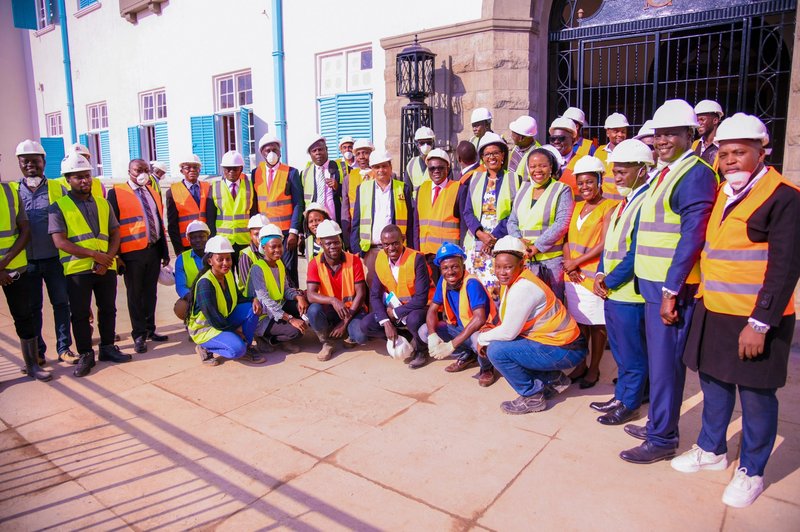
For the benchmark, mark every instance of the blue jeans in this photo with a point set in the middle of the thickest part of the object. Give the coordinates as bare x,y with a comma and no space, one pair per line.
626,334
323,318
528,366
228,344
51,272
463,352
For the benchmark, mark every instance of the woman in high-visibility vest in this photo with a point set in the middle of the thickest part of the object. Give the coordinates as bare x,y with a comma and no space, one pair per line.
314,215
581,256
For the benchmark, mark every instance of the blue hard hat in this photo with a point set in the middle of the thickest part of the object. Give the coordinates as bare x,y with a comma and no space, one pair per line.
448,250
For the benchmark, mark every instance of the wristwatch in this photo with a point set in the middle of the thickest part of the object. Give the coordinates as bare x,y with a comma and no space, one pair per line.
760,329
666,294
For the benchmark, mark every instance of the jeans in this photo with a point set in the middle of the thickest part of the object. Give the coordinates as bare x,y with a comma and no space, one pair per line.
626,334
528,365
51,272
551,272
464,352
228,344
323,318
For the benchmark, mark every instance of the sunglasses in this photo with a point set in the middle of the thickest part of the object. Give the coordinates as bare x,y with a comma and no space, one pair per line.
437,168
558,138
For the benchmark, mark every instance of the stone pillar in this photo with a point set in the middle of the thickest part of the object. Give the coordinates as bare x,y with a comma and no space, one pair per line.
791,157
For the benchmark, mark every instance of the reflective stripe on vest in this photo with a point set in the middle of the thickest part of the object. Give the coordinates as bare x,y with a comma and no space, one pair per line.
308,177
584,147
366,197
188,210
348,278
537,218
617,244
199,329
503,199
464,304
354,180
522,167
241,280
588,236
274,203
233,214
9,232
79,233
437,223
733,267
417,172
189,267
274,286
132,225
403,288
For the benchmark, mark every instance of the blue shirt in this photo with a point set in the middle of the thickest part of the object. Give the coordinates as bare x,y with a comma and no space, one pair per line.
181,285
37,206
475,293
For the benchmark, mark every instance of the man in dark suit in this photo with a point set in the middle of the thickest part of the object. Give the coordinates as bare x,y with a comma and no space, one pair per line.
322,181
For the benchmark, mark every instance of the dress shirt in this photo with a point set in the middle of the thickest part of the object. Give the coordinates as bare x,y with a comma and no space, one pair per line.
382,207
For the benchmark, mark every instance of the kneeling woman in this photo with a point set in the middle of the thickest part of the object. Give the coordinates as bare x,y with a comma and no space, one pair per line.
536,338
281,304
221,320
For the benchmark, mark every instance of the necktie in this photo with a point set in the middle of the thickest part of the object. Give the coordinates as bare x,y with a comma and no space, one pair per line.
195,192
663,173
436,190
326,194
233,189
151,221
270,178
622,208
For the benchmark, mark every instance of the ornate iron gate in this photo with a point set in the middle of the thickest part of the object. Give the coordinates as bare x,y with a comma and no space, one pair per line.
629,57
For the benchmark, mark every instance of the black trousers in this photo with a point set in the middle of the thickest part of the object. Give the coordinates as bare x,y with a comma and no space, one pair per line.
141,283
80,288
289,259
20,303
283,331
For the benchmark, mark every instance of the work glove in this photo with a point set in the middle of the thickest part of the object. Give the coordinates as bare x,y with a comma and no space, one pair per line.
443,350
433,341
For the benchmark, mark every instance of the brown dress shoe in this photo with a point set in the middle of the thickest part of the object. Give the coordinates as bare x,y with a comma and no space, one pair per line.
487,378
460,365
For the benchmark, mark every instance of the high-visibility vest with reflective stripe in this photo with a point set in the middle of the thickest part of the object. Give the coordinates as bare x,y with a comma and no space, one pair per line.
155,185
200,330
308,178
552,325
348,279
80,234
437,222
403,287
98,190
697,146
241,281
417,172
537,218
275,203
366,196
618,244
523,163
609,186
354,180
233,214
503,200
132,225
274,286
188,210
660,227
464,304
9,232
189,267
588,236
465,177
568,178
584,147
732,266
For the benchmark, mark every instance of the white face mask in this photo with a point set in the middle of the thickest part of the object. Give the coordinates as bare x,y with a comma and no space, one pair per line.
33,182
272,158
425,148
737,179
626,191
348,155
142,179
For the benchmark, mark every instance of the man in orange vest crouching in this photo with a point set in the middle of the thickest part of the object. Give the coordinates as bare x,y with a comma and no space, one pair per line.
741,331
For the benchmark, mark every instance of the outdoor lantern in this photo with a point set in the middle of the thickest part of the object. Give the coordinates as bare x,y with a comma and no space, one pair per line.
415,66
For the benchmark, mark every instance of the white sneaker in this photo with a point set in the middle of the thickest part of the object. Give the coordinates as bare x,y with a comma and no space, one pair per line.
696,459
743,490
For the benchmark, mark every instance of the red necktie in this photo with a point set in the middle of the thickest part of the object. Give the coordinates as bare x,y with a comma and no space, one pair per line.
436,190
269,179
622,208
663,173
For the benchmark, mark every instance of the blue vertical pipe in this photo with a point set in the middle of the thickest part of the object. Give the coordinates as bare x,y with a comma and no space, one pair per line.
62,15
277,64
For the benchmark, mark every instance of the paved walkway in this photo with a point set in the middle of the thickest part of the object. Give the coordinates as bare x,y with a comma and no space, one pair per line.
359,442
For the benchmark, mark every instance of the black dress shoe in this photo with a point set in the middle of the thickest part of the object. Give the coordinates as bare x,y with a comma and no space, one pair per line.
648,453
640,433
605,406
618,416
154,336
140,345
420,359
111,353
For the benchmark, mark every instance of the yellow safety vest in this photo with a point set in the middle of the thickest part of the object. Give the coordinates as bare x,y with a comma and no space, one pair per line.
366,195
537,218
477,186
521,168
617,246
242,283
233,214
417,173
9,232
274,286
199,329
189,267
98,191
80,234
310,184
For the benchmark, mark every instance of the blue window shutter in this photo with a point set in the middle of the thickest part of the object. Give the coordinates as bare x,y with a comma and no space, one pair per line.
105,151
54,148
83,138
354,115
327,125
85,3
244,124
204,142
134,143
51,11
24,14
162,144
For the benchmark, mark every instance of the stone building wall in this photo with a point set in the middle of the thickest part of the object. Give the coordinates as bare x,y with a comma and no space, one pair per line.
791,158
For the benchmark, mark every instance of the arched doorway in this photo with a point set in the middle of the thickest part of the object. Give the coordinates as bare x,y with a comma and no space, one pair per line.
629,56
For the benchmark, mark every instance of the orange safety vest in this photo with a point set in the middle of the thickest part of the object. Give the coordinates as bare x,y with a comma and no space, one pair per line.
403,288
588,236
132,226
696,150
437,222
274,203
553,325
464,306
354,179
348,279
731,265
188,210
568,178
465,177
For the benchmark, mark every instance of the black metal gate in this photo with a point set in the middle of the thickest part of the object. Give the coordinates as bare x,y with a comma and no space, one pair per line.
626,59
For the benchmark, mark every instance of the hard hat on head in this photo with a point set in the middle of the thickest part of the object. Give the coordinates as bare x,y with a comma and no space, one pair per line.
270,231
268,138
632,151
645,131
74,162
524,125
158,165
378,157
438,153
232,159
491,138
509,244
346,139
257,221
190,158
328,228
314,206
218,244
196,226
314,140
448,250
80,148
363,144
576,115
742,126
708,106
616,120
29,147
166,276
480,114
557,154
565,124
674,113
424,133
589,164
399,349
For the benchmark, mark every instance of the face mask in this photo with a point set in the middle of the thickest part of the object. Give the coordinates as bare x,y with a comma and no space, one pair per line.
737,179
425,148
626,191
33,182
142,179
348,155
272,158
543,184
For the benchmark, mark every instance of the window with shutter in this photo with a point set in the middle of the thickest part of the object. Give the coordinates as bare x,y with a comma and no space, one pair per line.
134,143
204,142
54,148
345,114
162,144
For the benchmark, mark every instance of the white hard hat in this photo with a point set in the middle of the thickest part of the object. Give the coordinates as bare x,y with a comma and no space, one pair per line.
29,147
557,154
270,230
257,221
491,138
74,162
742,126
378,157
631,151
708,106
196,226
189,158
158,165
314,140
424,133
480,114
363,144
438,153
399,349
314,206
674,113
508,244
218,244
646,130
616,120
346,139
328,228
576,115
232,159
166,276
589,164
563,123
268,138
524,125
80,148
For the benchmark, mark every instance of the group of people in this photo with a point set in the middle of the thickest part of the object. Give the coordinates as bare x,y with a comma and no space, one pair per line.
523,260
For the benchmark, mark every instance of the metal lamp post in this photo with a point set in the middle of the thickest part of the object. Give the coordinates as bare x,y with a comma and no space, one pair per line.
415,81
